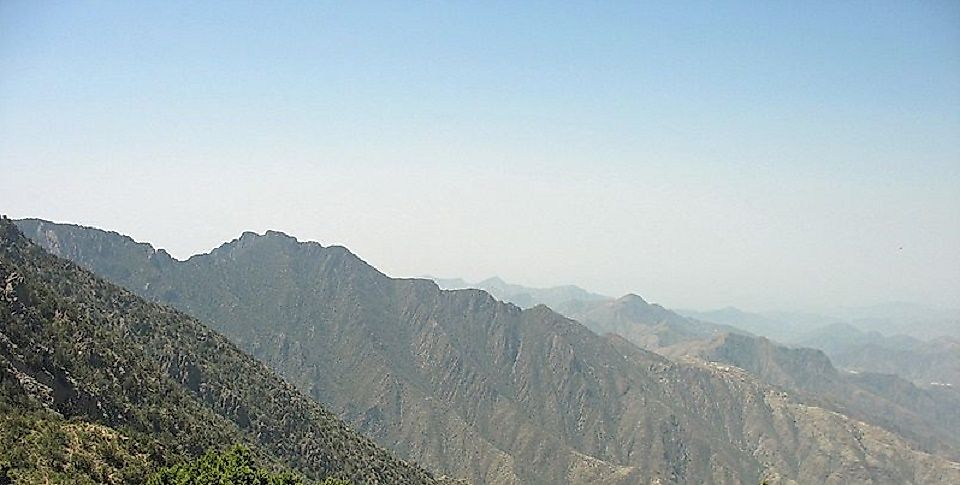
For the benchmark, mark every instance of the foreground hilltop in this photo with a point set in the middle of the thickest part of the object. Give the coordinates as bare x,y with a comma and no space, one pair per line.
120,386
481,389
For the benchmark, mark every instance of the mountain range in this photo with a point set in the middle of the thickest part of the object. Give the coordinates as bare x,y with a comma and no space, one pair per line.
928,416
522,296
914,355
893,320
98,385
925,362
476,388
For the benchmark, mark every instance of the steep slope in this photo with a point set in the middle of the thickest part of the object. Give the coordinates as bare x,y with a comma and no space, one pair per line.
927,418
41,446
649,326
930,420
935,362
485,390
926,363
87,350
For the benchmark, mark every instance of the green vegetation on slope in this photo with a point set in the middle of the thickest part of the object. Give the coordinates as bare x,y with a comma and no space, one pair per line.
125,370
234,466
41,447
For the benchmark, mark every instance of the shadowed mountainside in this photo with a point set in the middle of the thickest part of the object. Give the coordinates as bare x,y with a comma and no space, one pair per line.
148,383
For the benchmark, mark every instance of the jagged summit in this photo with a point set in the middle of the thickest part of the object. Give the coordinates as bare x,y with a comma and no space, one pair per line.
109,249
279,234
10,234
270,236
249,239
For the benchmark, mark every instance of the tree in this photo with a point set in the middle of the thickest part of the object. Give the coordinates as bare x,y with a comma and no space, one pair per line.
234,466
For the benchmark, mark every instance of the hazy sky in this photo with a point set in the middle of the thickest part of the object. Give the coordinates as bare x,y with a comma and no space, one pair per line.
760,154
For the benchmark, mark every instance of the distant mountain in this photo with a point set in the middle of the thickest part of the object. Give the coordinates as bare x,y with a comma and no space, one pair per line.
936,362
849,346
781,327
919,321
904,311
485,390
913,412
649,326
451,283
928,417
99,386
522,296
839,337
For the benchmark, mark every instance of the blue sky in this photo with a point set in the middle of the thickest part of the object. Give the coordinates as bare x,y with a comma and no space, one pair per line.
760,154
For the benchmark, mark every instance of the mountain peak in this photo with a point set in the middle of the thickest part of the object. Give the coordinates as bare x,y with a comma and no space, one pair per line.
269,234
632,298
493,280
251,239
9,233
278,235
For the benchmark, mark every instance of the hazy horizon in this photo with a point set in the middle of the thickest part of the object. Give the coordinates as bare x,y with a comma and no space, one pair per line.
824,311
761,156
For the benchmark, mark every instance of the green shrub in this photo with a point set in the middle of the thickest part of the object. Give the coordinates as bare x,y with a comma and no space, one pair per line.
231,467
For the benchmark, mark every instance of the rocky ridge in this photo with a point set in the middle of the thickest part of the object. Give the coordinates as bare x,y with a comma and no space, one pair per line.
485,390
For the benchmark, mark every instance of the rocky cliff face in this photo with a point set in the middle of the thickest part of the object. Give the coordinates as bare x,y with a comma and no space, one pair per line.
484,390
929,419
